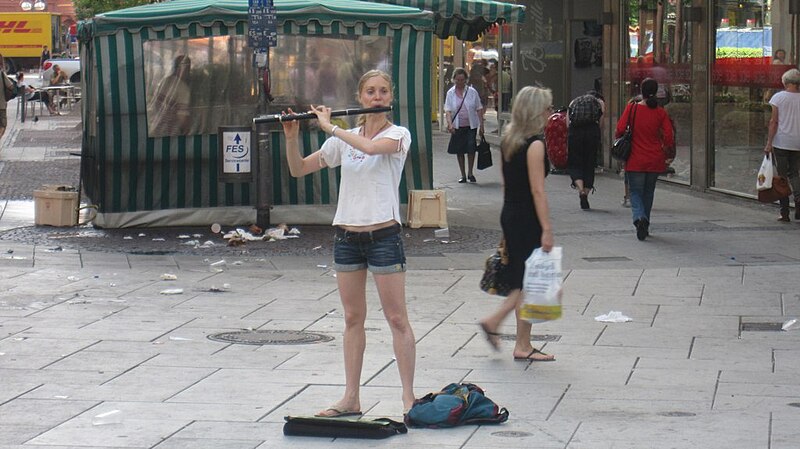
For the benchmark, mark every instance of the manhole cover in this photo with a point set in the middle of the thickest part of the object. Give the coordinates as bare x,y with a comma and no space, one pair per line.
511,434
794,404
761,327
534,337
270,337
607,259
677,414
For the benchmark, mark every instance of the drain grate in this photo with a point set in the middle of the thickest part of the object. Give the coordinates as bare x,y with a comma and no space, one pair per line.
534,337
511,434
607,259
794,404
678,414
761,327
270,337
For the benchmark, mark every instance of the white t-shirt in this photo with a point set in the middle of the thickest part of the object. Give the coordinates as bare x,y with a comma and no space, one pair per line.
788,135
369,188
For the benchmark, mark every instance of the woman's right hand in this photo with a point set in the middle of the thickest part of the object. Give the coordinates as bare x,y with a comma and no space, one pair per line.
291,128
547,241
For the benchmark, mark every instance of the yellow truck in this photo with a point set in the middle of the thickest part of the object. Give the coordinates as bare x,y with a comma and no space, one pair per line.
23,34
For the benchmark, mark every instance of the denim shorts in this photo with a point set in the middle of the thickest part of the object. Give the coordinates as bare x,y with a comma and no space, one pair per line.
354,251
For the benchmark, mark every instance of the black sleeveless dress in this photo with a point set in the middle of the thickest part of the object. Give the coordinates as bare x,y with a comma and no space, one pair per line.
521,227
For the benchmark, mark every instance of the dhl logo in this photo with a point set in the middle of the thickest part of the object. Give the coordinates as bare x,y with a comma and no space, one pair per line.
17,26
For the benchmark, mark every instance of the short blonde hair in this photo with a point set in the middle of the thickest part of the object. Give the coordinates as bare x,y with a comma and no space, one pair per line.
791,76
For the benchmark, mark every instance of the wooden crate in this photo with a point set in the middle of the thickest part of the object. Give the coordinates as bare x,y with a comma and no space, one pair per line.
427,209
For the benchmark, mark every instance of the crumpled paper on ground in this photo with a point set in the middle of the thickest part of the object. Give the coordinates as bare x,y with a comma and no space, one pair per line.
613,317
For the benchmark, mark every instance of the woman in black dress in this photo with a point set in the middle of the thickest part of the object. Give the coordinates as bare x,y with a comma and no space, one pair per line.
525,218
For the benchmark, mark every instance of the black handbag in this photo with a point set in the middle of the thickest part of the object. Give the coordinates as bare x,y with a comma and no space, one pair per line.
374,429
621,149
495,275
484,154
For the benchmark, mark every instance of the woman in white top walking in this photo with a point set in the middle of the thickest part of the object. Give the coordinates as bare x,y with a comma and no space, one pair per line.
783,140
367,228
464,115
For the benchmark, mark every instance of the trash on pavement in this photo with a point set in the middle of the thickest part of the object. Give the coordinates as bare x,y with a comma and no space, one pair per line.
218,266
613,317
111,417
73,278
790,325
216,228
172,291
442,233
169,277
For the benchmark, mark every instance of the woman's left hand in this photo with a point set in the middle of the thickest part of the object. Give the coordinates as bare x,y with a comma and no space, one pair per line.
323,114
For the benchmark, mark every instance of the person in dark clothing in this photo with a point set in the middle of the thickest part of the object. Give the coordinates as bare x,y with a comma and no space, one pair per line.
525,217
584,114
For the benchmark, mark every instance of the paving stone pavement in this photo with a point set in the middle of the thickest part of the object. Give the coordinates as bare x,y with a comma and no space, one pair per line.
86,329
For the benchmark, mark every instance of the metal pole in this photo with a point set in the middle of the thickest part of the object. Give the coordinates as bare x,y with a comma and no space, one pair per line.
264,170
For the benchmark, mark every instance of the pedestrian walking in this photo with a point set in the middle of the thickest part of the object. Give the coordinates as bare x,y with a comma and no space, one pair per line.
367,228
783,139
525,217
584,114
5,84
44,56
652,132
464,114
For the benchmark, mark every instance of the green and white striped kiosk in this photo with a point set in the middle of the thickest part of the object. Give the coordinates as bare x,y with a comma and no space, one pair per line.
160,79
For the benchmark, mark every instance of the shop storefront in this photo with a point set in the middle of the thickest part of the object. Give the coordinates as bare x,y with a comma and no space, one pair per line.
718,63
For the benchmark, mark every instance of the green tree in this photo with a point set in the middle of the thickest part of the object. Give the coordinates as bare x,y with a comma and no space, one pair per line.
86,9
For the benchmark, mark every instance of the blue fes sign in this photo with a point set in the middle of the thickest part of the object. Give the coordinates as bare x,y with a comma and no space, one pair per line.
262,24
236,153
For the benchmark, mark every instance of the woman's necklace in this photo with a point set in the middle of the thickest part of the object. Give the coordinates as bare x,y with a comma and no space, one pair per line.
372,135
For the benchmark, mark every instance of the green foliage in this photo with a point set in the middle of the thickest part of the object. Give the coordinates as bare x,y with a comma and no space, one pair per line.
86,9
734,52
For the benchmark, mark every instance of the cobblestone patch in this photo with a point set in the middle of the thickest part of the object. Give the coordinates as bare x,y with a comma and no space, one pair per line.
56,138
18,179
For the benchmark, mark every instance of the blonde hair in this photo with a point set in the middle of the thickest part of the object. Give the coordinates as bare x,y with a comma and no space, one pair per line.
366,77
528,117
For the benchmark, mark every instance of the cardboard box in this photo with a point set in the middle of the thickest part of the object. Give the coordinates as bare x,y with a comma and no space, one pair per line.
55,206
427,208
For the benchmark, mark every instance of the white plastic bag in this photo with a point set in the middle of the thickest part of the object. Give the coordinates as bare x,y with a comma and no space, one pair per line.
765,173
541,286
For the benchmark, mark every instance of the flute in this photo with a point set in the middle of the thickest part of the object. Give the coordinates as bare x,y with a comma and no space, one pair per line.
273,118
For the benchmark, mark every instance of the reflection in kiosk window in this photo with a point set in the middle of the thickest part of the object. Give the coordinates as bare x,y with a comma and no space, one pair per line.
196,85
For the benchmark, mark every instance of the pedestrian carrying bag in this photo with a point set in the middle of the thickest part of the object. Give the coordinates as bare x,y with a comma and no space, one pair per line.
373,429
780,189
484,154
765,174
494,280
621,150
541,286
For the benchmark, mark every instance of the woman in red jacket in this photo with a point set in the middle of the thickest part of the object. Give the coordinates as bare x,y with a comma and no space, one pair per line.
652,132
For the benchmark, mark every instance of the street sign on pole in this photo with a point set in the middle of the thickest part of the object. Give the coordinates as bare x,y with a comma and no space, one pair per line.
262,24
236,154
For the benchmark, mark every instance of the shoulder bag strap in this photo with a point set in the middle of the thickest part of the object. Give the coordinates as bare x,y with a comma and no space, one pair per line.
632,121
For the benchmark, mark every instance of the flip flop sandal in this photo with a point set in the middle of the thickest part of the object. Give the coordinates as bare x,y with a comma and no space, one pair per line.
491,336
528,358
337,413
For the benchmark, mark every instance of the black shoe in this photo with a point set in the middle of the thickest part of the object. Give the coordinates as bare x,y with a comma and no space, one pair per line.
462,180
641,229
584,201
784,216
472,179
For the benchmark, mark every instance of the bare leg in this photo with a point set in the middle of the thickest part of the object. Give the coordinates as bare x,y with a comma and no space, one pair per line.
493,321
391,290
579,186
461,165
522,346
352,289
471,158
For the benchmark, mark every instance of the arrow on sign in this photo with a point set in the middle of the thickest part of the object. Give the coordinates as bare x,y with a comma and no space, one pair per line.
237,139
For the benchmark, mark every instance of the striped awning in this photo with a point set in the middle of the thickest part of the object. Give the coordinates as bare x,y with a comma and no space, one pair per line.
465,19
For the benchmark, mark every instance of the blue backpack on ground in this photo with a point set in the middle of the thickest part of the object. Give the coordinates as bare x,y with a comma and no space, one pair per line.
455,405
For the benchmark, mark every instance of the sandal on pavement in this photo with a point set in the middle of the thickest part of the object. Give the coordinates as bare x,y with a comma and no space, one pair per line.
529,357
491,336
335,412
